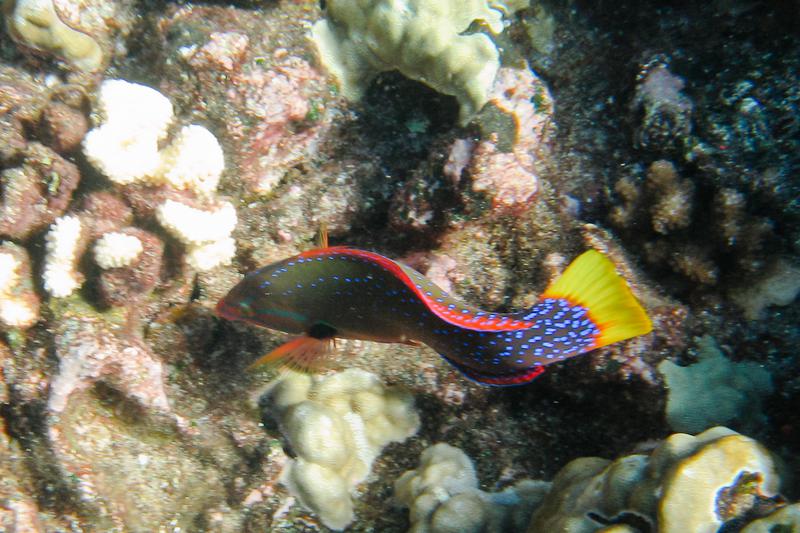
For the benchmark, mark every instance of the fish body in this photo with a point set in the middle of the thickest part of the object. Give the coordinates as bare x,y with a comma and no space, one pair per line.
349,293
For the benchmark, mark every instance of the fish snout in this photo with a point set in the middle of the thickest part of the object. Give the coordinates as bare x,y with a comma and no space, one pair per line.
226,310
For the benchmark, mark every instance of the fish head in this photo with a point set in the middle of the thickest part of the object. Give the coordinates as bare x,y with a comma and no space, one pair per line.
263,304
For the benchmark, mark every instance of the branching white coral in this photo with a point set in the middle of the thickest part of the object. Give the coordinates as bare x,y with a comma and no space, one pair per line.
124,155
140,108
206,234
194,160
132,120
212,254
15,312
60,275
115,250
195,226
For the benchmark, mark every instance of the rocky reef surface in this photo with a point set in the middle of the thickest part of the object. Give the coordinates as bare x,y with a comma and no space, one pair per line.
151,153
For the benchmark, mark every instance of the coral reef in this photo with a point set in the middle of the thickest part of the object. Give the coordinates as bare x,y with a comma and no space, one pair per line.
676,217
60,275
84,36
685,484
289,123
508,176
442,496
424,40
88,352
132,120
492,142
779,286
125,147
131,261
715,391
338,425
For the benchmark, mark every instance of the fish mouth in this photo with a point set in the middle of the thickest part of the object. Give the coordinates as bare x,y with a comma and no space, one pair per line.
225,310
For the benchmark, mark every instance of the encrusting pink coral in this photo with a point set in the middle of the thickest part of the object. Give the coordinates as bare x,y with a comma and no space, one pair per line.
278,99
510,179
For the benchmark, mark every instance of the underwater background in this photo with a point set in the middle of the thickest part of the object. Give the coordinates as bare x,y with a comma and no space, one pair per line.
152,153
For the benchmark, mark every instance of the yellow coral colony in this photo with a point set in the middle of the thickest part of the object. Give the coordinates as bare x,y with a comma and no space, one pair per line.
337,426
678,488
426,40
35,23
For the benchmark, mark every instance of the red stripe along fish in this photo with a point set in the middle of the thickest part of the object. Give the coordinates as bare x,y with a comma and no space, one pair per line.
344,292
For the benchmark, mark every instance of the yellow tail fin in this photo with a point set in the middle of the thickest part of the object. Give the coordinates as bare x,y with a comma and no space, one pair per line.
591,281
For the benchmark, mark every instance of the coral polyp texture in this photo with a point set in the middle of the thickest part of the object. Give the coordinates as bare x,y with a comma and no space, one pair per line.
426,40
115,249
338,426
442,496
61,276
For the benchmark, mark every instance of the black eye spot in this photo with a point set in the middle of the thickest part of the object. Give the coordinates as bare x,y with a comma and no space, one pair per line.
321,330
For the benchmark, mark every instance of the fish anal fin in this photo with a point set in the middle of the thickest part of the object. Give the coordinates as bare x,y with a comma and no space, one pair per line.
513,377
303,354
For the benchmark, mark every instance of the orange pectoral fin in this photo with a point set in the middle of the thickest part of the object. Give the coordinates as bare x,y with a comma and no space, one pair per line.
305,354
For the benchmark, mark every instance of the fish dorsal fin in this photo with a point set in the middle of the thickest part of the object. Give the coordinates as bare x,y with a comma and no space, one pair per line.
322,235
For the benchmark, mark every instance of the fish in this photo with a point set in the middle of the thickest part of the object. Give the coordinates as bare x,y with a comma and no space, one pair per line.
332,292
